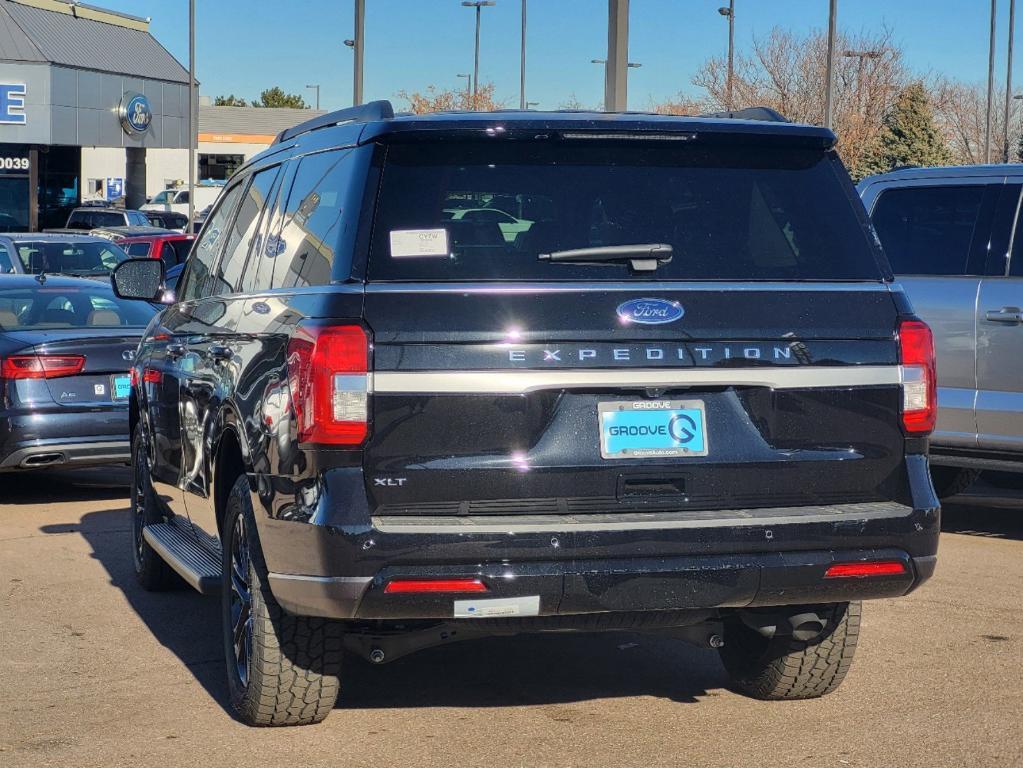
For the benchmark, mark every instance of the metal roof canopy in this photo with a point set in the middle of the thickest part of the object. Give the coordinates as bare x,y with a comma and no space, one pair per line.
85,37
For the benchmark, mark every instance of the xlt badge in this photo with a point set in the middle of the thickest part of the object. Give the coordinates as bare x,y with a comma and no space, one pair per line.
650,311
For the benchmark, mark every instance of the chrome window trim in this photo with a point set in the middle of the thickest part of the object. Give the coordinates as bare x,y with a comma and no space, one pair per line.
516,382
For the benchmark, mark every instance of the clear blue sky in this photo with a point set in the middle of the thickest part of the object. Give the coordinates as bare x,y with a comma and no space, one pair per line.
245,46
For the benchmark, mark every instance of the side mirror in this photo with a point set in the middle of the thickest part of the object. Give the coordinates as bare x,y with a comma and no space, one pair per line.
140,279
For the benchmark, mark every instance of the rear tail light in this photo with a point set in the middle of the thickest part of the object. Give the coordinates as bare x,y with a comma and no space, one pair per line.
41,366
419,586
865,569
328,373
919,387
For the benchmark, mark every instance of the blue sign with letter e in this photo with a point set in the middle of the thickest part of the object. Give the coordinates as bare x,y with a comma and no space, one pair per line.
12,104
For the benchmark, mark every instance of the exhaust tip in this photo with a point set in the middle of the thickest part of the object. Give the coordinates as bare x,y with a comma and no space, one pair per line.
43,460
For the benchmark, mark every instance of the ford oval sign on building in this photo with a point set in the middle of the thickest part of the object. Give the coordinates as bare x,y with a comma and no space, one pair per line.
650,311
135,113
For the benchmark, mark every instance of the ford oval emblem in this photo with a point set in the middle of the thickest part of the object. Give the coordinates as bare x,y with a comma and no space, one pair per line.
650,311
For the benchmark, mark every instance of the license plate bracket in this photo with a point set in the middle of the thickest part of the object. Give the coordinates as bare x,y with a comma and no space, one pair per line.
650,429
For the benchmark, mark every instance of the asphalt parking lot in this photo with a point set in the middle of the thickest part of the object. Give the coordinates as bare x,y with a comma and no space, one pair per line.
97,672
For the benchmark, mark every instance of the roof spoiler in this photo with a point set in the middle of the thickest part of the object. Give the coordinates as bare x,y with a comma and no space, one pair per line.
750,113
364,113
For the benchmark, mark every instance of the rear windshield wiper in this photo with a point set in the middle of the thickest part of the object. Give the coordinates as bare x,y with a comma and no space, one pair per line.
642,257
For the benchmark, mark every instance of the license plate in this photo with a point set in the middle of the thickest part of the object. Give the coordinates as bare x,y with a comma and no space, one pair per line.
652,429
120,387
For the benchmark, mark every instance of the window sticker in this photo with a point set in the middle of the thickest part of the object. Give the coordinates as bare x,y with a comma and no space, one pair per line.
407,243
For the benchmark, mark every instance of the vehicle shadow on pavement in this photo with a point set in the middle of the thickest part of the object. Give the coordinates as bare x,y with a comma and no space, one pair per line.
183,621
990,509
47,486
497,672
530,670
994,517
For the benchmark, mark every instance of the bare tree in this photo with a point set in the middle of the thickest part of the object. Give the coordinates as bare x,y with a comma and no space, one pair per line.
961,110
786,72
436,100
680,104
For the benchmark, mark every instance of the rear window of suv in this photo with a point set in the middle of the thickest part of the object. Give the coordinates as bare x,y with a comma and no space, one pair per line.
450,211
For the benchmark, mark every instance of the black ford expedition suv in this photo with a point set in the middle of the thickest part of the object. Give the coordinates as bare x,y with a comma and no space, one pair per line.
430,378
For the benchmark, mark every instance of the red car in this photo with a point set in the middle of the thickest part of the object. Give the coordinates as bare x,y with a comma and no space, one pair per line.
172,247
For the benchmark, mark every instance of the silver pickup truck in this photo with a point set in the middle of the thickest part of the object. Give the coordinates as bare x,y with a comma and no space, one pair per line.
954,237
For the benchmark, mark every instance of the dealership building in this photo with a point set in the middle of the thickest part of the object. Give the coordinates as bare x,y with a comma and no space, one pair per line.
93,107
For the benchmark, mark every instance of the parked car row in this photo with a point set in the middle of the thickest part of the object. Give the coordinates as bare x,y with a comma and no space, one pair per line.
89,218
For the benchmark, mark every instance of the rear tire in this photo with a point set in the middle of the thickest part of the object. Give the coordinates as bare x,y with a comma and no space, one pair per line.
948,481
783,668
151,571
282,669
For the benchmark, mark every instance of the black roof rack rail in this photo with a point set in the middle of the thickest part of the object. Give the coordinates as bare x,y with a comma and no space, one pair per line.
750,113
364,113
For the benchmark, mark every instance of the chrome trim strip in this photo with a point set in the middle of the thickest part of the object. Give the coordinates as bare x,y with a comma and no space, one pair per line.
506,382
623,287
636,521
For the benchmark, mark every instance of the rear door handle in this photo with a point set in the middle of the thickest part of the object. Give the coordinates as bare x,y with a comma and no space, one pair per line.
1007,315
219,352
176,350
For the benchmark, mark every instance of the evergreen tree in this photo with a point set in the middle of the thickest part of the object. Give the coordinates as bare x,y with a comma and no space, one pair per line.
229,101
909,135
276,97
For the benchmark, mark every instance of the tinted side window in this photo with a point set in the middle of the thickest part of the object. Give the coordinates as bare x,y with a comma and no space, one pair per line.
107,219
929,230
229,272
80,220
204,255
138,249
178,249
267,245
6,264
317,221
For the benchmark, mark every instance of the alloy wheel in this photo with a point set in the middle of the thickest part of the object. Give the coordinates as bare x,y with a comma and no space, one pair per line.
241,601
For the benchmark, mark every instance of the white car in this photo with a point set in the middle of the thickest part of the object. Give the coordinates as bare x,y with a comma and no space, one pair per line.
177,199
509,225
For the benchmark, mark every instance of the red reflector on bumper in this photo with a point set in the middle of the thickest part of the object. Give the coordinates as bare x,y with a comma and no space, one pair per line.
862,570
405,586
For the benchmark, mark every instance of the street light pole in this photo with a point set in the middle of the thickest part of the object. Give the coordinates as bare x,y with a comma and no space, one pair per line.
1019,155
355,43
830,73
192,126
522,61
1008,82
990,84
479,5
862,56
468,87
730,13
317,87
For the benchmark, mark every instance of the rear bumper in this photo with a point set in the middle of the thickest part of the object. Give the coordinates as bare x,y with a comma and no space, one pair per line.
336,559
608,586
79,452
64,437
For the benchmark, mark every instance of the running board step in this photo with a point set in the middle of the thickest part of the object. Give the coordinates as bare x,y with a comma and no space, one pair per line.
194,563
